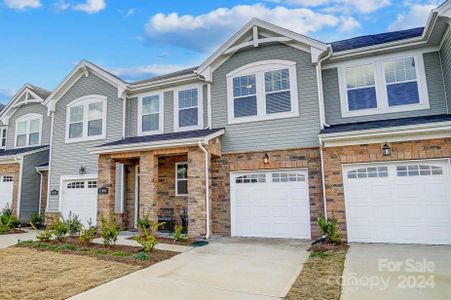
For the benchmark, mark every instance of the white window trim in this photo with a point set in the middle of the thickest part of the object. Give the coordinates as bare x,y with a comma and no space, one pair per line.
85,101
177,179
28,118
1,137
160,95
258,69
200,107
381,86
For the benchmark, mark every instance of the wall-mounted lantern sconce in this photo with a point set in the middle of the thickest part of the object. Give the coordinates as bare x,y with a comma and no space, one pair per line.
386,150
266,159
82,170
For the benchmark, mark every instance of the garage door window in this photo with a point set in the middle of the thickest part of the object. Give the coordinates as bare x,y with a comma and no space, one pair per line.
7,178
92,184
418,170
287,177
251,178
371,172
76,185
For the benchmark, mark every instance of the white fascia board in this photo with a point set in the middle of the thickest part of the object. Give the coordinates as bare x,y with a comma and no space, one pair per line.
73,77
155,145
400,133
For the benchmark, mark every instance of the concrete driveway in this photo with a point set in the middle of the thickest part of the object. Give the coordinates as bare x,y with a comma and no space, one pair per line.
225,269
379,271
7,240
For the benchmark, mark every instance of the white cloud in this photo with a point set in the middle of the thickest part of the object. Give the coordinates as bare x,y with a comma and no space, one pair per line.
141,72
6,95
348,24
415,17
206,31
61,5
91,6
22,4
127,12
348,6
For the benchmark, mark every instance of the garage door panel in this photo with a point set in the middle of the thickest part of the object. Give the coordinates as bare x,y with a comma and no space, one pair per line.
79,197
411,204
274,207
6,191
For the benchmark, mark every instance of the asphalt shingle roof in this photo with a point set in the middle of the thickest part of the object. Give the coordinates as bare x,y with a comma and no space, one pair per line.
43,93
169,75
376,39
163,137
12,152
385,123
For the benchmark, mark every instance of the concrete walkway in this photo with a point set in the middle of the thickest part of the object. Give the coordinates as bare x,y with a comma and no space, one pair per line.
414,272
225,269
7,240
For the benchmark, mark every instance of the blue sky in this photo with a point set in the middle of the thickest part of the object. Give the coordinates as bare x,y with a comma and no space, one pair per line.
42,40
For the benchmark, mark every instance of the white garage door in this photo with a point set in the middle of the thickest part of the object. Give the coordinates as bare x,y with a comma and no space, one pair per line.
270,204
80,198
408,202
6,191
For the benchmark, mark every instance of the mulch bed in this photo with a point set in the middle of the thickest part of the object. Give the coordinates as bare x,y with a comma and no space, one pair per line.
14,231
320,277
102,252
168,240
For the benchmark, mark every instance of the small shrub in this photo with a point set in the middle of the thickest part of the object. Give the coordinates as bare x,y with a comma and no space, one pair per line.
45,235
74,225
36,221
68,246
146,239
5,226
109,230
43,245
7,220
120,254
87,235
59,228
144,222
329,228
178,235
141,256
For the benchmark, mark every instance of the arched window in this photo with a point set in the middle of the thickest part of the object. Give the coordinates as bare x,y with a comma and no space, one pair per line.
28,131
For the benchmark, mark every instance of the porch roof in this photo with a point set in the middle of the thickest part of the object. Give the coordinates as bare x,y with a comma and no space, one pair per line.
21,151
172,139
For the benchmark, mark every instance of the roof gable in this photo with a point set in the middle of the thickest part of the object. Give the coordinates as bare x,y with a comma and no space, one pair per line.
83,69
254,34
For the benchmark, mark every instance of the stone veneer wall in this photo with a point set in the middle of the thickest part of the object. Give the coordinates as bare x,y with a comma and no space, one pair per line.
44,187
297,158
334,157
12,170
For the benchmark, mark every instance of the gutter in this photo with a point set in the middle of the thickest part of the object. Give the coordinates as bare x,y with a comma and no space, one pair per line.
319,79
207,190
39,170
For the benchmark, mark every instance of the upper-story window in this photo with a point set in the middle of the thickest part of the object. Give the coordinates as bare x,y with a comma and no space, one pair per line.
383,85
150,114
28,130
188,108
3,136
263,90
86,119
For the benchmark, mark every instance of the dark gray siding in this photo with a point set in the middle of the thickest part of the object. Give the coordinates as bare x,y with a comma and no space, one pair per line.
168,110
445,55
30,184
295,132
435,89
32,108
67,158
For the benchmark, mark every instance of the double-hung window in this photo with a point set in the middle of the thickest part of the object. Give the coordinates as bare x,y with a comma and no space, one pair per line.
383,85
263,90
86,119
188,108
3,132
28,130
150,114
181,179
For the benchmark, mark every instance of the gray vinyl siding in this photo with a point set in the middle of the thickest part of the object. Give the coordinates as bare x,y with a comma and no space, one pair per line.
286,133
168,111
30,184
434,80
32,108
67,158
445,55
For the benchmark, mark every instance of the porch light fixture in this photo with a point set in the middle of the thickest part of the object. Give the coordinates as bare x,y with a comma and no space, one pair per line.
386,150
266,159
82,170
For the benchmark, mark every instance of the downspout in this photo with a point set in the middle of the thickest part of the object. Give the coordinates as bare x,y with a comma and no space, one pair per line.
209,105
19,192
40,191
124,116
323,177
319,77
207,190
49,174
